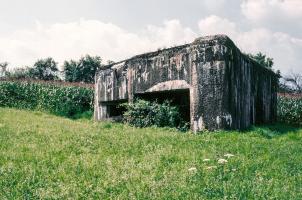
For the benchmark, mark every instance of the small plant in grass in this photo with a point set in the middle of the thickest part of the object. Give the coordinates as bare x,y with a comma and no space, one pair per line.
143,113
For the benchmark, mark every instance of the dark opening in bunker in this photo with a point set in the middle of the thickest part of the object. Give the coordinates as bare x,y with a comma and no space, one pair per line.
114,108
179,98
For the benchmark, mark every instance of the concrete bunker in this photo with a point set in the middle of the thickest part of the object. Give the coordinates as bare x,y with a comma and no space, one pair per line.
213,83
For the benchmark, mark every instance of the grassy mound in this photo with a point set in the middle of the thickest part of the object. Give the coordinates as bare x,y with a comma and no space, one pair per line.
45,156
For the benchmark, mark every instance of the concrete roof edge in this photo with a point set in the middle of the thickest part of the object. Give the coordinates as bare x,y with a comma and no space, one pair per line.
219,38
204,39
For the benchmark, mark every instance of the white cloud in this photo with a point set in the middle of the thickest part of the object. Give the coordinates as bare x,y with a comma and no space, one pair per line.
259,10
172,33
64,41
216,25
284,48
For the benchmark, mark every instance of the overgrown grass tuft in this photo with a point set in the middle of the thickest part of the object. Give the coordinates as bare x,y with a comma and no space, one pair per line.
48,157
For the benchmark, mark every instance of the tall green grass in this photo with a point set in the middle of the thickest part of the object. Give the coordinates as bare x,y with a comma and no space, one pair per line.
61,100
49,157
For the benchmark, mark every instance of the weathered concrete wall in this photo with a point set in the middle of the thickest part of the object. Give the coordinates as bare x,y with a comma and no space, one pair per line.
227,89
252,91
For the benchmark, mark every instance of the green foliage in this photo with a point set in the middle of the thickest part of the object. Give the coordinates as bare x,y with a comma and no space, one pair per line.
262,59
3,69
44,69
83,115
65,101
290,110
48,157
143,113
18,73
83,70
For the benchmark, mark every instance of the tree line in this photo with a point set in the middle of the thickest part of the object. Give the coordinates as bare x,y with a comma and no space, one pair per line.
82,70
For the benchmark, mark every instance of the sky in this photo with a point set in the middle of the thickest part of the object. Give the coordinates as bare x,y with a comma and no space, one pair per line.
118,29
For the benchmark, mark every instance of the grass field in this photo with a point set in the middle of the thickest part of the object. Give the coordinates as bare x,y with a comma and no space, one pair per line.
48,157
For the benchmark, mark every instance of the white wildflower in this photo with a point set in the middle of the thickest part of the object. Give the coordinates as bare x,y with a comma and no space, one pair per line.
211,167
192,169
206,160
222,161
228,155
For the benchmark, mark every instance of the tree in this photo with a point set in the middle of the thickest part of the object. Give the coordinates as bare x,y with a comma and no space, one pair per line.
44,69
262,59
70,71
19,73
294,81
284,87
83,70
3,69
